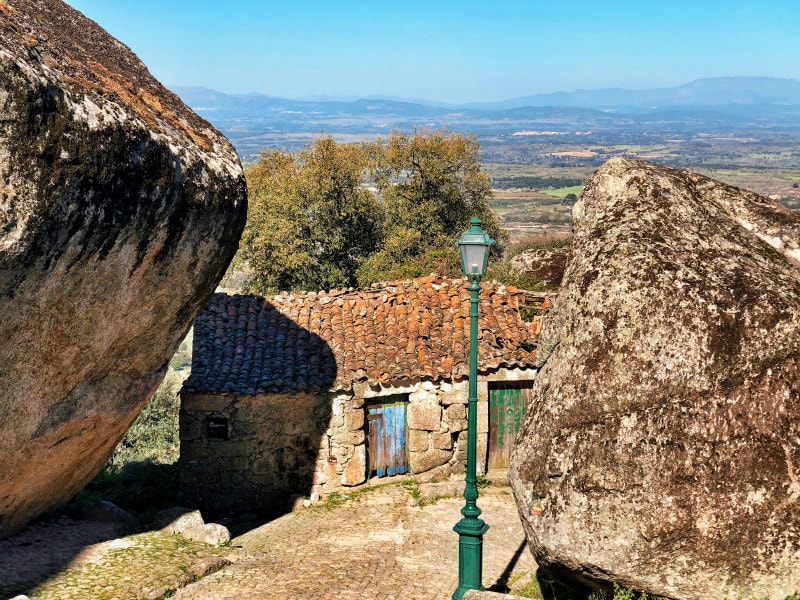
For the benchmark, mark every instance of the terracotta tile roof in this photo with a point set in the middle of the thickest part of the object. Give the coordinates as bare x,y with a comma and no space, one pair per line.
413,329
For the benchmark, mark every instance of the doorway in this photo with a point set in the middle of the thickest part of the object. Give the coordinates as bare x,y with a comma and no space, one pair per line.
386,435
507,403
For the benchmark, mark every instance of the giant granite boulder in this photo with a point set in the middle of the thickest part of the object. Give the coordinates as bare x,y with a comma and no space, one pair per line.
119,212
661,449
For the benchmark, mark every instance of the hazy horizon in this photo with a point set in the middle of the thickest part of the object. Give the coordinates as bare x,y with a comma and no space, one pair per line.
451,53
323,97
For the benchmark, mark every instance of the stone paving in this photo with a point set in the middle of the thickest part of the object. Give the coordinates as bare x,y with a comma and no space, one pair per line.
373,546
147,566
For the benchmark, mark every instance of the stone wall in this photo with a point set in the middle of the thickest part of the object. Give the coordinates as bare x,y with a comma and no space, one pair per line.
270,451
282,444
436,422
342,457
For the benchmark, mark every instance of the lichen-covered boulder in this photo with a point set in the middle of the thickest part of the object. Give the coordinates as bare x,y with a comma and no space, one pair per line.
119,212
661,449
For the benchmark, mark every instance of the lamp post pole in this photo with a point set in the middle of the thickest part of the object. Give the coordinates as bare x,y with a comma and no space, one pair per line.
474,246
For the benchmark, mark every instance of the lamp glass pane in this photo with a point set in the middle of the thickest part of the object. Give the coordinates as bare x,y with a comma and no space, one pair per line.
473,258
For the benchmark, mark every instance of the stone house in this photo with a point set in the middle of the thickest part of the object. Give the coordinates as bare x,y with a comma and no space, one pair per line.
318,392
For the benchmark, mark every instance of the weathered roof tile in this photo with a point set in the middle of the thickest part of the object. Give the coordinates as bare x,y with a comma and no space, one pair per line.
318,341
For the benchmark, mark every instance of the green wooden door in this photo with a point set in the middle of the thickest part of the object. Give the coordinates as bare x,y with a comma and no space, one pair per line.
507,404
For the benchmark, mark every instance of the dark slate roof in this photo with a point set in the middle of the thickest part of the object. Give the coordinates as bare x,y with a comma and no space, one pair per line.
413,329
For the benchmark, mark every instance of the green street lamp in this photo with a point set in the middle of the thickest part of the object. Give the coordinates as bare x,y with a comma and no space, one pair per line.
474,246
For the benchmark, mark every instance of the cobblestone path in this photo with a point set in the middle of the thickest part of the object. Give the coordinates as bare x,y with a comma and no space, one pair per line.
373,546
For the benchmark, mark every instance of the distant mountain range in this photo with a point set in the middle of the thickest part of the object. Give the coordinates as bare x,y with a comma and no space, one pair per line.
253,121
717,91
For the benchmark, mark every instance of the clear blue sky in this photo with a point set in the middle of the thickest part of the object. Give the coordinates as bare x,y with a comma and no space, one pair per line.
451,51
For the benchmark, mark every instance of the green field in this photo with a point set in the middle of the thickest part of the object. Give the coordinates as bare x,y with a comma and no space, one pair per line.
562,192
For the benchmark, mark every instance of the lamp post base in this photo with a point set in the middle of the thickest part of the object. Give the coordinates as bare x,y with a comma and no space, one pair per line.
470,555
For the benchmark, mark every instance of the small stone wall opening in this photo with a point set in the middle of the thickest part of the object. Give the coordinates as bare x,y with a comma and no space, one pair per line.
217,427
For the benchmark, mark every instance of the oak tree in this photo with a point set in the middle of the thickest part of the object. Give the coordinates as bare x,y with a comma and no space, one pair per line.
311,223
431,183
339,215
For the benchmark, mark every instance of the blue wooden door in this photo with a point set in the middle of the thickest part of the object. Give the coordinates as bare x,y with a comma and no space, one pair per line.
386,436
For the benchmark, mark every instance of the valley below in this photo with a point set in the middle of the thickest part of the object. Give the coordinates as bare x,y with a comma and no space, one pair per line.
539,156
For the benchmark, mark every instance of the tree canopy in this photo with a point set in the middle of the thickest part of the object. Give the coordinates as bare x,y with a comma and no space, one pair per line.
338,215
311,223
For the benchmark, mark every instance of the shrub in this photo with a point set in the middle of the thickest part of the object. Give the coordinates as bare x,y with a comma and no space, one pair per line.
140,475
504,272
154,434
141,488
